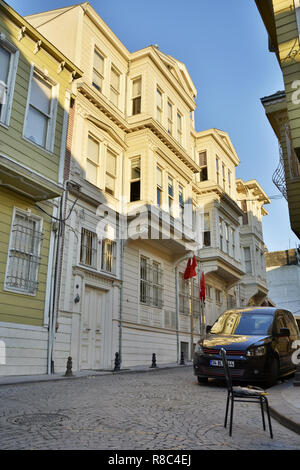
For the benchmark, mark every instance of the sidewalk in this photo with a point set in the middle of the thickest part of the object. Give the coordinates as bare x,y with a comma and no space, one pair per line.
284,398
23,379
284,401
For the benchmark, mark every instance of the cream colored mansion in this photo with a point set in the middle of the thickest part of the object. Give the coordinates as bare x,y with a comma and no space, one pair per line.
133,154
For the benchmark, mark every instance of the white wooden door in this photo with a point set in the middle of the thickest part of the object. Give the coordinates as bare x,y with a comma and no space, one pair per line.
91,329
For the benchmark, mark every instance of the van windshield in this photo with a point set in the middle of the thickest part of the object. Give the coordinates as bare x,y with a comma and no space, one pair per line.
239,323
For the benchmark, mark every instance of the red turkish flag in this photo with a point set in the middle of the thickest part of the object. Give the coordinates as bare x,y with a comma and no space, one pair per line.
202,288
190,268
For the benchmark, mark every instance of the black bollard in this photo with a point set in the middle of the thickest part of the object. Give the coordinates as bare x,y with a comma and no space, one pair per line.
69,368
117,362
182,363
153,365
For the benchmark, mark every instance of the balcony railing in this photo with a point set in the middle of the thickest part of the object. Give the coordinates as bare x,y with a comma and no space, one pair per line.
278,177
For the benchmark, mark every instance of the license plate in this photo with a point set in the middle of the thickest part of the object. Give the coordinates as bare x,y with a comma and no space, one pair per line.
218,363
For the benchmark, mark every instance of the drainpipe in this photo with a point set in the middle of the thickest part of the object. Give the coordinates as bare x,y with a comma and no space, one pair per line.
177,313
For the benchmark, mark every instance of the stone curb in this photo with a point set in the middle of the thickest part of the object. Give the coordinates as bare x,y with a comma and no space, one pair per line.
56,378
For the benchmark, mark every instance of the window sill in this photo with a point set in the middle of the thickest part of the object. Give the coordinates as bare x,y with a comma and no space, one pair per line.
44,149
97,271
4,124
21,292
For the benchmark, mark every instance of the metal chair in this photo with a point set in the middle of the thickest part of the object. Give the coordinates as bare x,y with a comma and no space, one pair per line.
243,394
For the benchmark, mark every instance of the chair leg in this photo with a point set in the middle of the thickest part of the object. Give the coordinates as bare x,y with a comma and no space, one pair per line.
262,412
269,418
231,416
226,413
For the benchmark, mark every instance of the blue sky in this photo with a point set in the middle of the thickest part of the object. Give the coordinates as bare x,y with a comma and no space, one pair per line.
225,49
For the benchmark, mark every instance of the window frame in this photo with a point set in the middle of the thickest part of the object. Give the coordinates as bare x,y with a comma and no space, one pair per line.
147,285
179,128
159,188
93,250
159,109
97,165
170,197
170,119
14,52
107,173
96,50
113,68
51,126
17,211
113,259
135,180
136,98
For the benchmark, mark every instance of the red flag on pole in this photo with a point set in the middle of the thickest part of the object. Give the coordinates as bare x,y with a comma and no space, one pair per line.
190,270
202,288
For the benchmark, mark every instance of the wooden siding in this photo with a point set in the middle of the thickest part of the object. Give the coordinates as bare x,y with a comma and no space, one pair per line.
17,307
12,144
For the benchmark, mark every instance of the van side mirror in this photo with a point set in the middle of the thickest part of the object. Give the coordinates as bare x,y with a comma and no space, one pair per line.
284,332
208,328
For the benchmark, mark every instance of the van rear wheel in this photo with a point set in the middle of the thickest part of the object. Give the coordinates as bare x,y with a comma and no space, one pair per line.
202,380
273,373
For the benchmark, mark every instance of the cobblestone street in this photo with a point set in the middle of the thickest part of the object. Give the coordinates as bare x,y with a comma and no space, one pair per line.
161,409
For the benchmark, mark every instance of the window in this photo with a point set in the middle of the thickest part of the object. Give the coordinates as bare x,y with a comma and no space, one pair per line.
170,194
159,105
159,186
144,281
92,161
98,70
179,128
244,209
206,232
8,67
110,176
180,202
208,291
157,287
170,117
229,181
88,248
223,175
184,296
136,96
135,180
233,242
108,259
221,233
114,86
203,166
227,237
40,117
151,284
247,258
217,170
218,295
24,250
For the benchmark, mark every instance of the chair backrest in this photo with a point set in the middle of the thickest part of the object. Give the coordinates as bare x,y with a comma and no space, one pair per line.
226,369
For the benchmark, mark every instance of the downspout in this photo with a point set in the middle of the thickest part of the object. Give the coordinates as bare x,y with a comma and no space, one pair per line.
177,313
122,241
